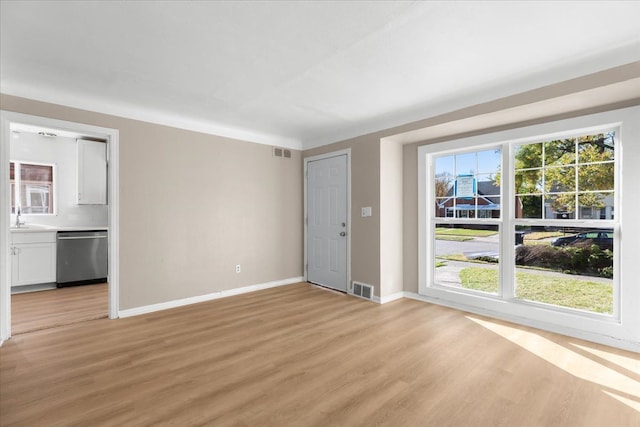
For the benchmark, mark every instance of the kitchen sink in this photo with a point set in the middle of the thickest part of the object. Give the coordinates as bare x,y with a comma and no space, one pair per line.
31,227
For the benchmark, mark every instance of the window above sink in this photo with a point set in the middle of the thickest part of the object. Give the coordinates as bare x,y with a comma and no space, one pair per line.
32,187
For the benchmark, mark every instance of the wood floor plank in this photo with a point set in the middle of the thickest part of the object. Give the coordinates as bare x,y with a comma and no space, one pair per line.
33,311
298,355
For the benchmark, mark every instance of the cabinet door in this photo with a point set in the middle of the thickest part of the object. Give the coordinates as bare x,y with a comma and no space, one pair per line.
92,172
33,263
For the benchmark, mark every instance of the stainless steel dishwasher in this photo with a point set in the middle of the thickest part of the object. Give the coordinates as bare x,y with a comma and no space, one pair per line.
81,257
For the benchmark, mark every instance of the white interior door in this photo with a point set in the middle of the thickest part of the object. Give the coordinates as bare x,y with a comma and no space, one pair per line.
327,222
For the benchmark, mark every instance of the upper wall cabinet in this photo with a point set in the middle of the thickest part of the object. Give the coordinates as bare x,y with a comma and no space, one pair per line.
92,172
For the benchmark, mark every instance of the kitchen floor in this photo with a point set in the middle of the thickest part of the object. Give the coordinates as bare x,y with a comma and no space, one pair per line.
34,311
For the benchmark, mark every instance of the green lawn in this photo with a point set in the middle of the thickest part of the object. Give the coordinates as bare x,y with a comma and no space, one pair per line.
441,231
539,235
565,292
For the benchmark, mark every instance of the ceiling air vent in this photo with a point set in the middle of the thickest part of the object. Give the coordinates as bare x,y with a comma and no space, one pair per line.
362,290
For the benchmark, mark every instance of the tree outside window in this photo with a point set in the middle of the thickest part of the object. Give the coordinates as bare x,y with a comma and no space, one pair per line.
571,178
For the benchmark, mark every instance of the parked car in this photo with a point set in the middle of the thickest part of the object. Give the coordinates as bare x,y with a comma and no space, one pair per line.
602,238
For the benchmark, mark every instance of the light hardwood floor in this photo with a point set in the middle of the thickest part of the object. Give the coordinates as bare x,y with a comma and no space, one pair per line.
47,309
299,355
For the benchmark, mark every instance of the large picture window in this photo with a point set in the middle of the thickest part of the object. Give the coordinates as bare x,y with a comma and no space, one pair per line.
558,254
557,239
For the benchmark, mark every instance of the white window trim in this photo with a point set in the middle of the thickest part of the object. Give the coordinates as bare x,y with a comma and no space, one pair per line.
623,328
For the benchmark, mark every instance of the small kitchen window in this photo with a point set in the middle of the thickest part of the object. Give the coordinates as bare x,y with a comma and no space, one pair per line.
32,188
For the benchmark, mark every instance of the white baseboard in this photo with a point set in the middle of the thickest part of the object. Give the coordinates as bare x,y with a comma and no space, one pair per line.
208,297
388,298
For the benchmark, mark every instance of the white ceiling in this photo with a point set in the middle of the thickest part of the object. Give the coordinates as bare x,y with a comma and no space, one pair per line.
302,74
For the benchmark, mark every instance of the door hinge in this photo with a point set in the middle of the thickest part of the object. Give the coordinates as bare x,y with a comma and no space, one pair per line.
306,267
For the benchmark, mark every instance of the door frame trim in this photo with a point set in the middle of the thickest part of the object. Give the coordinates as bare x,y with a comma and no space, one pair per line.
112,137
306,160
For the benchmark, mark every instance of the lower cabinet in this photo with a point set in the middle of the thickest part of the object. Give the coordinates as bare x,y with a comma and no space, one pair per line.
33,258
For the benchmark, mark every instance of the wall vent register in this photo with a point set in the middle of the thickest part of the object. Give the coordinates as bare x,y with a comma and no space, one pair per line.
363,291
283,153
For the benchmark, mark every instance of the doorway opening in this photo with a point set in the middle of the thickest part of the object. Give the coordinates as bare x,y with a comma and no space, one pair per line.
34,294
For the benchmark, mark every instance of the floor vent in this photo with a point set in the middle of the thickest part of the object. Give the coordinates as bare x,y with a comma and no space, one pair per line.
363,291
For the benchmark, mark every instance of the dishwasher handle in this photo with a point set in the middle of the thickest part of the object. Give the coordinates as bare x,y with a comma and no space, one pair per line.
81,237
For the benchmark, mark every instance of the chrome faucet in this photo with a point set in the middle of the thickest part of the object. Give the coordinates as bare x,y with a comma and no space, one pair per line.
18,222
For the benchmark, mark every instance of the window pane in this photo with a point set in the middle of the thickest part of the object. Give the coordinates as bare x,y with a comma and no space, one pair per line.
466,257
489,161
529,181
560,206
528,156
444,165
444,207
488,207
528,206
444,185
35,198
566,267
596,148
487,185
466,164
560,152
465,207
598,176
595,205
559,180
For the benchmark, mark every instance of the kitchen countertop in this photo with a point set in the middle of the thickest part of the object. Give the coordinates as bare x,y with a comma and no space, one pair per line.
33,228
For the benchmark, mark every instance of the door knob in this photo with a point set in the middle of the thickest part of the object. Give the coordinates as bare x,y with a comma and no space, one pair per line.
342,233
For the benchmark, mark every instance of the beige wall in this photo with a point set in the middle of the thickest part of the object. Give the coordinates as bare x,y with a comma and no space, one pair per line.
365,191
391,218
193,205
410,223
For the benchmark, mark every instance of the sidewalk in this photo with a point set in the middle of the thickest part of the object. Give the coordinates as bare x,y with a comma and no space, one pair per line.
449,273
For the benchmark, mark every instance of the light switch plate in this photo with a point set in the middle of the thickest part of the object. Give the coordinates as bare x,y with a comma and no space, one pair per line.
366,211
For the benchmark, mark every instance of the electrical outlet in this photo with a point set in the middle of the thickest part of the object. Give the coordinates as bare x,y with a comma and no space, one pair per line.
238,268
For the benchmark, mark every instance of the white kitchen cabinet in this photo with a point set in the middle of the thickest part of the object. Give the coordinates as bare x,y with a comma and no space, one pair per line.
33,258
92,172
